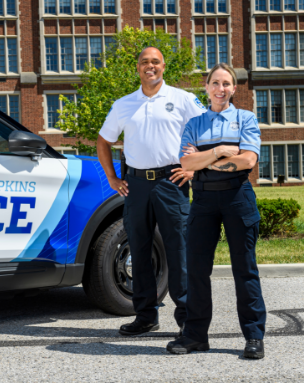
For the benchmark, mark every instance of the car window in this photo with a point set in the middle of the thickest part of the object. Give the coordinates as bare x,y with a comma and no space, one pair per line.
5,131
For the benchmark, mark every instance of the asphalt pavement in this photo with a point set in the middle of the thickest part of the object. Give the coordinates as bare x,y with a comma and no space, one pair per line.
58,336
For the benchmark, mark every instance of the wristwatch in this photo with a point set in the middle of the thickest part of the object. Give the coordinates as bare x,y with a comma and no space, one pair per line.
209,167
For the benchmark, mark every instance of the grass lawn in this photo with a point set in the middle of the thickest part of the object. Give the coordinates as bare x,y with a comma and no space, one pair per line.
274,250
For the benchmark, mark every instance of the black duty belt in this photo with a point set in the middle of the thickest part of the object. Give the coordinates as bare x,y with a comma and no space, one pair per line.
152,174
234,183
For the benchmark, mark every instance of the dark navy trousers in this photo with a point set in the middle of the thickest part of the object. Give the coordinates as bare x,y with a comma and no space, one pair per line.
237,209
162,202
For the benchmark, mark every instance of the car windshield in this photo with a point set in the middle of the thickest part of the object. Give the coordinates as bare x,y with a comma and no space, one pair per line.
5,131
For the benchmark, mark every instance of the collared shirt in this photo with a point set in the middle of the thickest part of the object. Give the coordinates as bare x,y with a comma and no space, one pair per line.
152,126
230,127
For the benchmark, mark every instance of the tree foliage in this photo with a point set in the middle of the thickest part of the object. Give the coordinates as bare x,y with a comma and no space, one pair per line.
103,84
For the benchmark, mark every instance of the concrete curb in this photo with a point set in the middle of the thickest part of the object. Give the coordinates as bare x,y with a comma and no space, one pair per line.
266,271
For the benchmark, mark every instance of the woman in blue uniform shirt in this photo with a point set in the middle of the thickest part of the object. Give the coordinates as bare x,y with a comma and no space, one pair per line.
222,146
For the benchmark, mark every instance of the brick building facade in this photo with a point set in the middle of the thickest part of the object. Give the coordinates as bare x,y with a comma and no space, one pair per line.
44,44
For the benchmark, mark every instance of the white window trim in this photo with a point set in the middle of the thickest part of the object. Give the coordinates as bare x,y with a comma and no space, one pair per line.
8,93
282,11
217,33
80,15
153,14
284,124
288,179
73,35
297,32
5,15
6,37
215,13
46,129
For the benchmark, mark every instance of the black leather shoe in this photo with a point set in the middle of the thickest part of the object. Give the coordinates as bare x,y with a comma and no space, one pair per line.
138,327
184,345
254,349
180,333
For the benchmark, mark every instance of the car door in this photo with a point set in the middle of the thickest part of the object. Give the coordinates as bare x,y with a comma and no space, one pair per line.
33,218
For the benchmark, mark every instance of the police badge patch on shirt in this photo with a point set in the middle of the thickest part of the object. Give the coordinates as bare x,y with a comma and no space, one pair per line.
169,107
198,103
234,125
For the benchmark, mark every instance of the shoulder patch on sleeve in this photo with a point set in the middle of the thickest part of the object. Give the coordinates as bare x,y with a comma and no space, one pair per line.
256,122
198,103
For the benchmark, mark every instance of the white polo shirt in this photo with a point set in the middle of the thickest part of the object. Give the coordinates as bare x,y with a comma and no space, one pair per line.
152,126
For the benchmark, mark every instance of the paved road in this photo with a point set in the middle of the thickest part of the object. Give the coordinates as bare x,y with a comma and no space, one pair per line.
59,336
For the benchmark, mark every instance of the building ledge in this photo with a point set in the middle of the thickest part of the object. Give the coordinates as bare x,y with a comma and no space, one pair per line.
60,79
51,131
28,78
282,126
277,74
274,181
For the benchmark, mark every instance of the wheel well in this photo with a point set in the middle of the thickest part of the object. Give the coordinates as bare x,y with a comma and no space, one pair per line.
113,216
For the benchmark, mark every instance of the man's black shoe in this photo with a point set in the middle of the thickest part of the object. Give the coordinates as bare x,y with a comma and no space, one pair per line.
180,333
137,327
184,345
254,349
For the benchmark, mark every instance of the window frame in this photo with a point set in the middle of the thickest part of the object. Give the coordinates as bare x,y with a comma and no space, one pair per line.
6,15
6,37
216,11
165,18
275,12
216,34
73,36
283,89
288,179
74,14
8,93
156,15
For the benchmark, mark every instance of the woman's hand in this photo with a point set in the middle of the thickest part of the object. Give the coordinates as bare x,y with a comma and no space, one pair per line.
227,151
189,149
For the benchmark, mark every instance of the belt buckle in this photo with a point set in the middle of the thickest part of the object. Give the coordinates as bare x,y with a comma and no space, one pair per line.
152,176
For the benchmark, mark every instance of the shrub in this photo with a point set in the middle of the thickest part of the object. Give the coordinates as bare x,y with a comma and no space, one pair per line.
277,216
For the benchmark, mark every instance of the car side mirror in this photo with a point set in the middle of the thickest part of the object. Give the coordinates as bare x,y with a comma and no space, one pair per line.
26,144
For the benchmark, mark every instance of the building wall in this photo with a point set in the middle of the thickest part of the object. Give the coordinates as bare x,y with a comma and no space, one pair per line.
241,34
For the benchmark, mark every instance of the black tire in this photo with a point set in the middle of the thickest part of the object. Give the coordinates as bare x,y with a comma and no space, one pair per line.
107,281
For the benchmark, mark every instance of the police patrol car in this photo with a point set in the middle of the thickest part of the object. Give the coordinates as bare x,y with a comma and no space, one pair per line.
61,225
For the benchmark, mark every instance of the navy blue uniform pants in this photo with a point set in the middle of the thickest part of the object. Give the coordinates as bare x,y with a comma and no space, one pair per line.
237,210
150,202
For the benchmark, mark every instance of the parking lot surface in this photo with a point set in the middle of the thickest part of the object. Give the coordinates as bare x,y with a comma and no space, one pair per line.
58,336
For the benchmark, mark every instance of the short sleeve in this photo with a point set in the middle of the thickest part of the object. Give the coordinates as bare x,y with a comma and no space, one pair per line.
111,129
193,107
187,138
250,135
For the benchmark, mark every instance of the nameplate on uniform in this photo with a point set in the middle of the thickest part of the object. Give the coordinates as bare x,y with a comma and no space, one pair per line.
169,107
234,125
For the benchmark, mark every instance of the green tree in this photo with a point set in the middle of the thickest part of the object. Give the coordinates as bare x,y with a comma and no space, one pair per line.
102,86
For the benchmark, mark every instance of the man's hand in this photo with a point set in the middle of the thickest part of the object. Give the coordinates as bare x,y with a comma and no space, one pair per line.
119,185
189,149
227,151
181,173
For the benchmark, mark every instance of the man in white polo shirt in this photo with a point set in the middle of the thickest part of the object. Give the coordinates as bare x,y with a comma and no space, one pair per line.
156,188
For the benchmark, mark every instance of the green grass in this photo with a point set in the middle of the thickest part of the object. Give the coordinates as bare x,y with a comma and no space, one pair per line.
275,250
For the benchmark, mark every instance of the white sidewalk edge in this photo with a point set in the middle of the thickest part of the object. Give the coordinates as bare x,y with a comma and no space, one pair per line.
266,271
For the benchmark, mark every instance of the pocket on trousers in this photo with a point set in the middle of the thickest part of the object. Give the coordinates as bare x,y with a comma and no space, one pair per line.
185,208
251,218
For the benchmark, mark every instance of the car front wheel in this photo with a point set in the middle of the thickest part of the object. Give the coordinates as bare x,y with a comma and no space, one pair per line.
108,279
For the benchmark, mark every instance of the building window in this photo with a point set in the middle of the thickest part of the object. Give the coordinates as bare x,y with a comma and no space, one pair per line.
262,109
8,55
293,160
159,6
211,51
210,6
148,7
53,104
223,49
9,104
275,5
276,50
290,101
260,5
264,164
51,54
54,7
290,49
281,160
301,4
7,8
261,50
278,160
301,49
171,6
74,52
289,5
276,106
302,105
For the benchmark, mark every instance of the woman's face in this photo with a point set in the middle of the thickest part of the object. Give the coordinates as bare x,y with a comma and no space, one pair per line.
220,88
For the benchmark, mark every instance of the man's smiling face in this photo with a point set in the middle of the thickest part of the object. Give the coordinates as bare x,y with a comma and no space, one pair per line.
150,66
